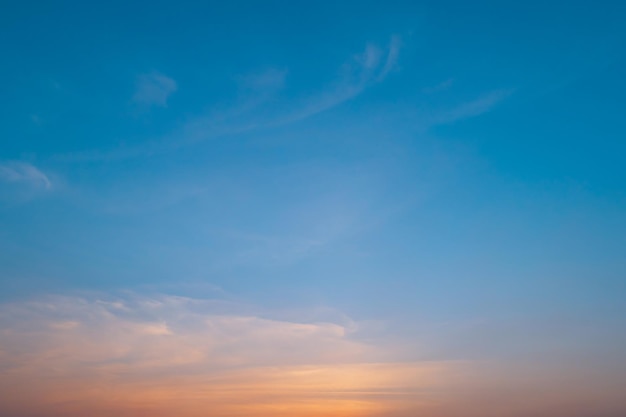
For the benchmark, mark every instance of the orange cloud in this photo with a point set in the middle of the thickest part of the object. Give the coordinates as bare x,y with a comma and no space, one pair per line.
179,357
176,357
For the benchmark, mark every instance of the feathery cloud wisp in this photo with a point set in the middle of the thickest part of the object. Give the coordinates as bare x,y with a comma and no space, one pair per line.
23,172
165,356
168,356
475,107
154,89
265,82
392,57
365,69
360,71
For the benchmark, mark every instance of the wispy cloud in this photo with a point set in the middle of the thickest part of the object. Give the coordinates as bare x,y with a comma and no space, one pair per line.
483,103
168,355
475,107
164,356
24,173
442,86
393,53
251,110
264,82
306,227
359,72
363,70
154,89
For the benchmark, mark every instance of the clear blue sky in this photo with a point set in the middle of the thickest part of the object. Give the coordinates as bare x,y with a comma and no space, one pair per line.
448,168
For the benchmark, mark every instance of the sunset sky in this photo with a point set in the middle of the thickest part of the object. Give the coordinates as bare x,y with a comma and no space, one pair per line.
313,209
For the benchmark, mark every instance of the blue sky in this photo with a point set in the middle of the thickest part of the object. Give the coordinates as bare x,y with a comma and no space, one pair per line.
449,175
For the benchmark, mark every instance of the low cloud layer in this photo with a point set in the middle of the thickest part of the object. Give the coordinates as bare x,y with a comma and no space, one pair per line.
179,356
174,356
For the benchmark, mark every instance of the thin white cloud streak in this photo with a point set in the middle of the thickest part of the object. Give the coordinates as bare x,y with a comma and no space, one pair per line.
425,119
476,107
306,228
25,173
362,71
357,74
265,82
392,57
154,89
340,204
249,113
442,86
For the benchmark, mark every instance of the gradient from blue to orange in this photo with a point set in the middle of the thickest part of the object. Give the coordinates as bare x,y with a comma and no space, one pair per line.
313,209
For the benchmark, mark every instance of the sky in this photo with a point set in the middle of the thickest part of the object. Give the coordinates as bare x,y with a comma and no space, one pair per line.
346,209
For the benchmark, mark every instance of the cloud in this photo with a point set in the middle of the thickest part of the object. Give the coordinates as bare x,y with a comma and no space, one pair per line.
392,57
166,356
154,89
208,333
310,223
482,104
476,107
264,82
24,173
251,110
442,86
363,70
174,356
359,72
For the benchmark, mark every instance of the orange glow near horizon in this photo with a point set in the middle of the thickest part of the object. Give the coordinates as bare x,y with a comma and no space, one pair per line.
77,357
346,390
175,357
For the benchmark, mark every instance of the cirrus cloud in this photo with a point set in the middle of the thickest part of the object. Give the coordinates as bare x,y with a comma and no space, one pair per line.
24,173
154,89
